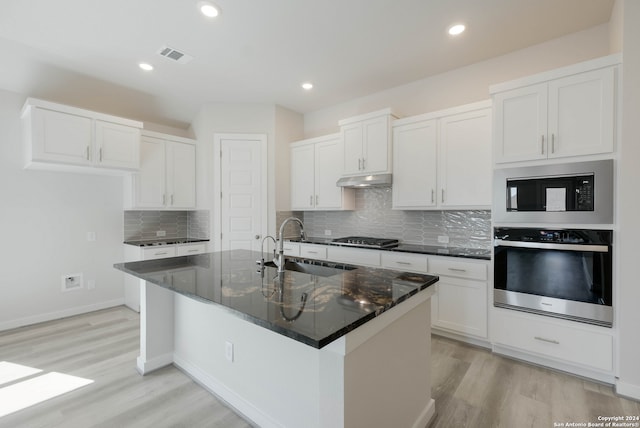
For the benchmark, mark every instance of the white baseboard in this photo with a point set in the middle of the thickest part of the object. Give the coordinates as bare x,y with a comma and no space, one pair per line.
146,367
628,390
220,390
50,316
427,415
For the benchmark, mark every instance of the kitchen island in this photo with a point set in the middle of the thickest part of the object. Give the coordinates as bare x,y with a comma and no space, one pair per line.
316,346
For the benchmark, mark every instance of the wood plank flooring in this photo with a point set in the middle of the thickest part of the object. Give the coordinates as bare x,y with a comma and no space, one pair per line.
471,386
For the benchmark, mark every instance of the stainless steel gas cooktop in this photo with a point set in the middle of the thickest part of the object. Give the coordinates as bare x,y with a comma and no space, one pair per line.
366,242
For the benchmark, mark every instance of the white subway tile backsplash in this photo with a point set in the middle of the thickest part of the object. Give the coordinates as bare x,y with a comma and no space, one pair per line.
141,225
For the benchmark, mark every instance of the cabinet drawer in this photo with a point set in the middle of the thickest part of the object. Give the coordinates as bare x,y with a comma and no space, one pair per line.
457,268
354,256
190,249
158,252
318,252
404,261
291,249
553,339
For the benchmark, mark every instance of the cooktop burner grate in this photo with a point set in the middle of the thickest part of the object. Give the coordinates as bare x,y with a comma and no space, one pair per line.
365,241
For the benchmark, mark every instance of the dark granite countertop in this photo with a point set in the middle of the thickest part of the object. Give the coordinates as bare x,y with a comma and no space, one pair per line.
309,308
163,241
470,253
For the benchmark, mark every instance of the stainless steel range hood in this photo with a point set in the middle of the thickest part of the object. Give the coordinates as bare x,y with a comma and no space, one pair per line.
375,180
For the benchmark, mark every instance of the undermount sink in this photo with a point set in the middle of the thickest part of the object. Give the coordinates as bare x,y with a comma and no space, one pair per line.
312,269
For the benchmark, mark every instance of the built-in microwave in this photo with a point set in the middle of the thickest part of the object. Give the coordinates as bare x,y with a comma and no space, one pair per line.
571,193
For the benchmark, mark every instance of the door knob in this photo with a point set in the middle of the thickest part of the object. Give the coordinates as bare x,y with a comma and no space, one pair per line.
257,236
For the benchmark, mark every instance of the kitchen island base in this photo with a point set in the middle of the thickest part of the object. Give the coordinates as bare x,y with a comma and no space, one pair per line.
377,375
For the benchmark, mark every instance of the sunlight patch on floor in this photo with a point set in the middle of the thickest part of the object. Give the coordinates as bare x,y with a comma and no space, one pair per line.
35,390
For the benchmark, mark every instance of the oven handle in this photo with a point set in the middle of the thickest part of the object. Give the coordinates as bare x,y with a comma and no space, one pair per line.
551,246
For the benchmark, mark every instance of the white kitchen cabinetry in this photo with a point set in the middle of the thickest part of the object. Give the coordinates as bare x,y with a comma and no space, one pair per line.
460,304
316,166
134,253
562,113
409,262
353,256
366,142
442,160
313,251
64,138
167,176
579,348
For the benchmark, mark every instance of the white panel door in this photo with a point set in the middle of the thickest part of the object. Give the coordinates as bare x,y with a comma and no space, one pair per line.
327,173
242,209
181,175
465,159
521,124
150,184
581,114
118,146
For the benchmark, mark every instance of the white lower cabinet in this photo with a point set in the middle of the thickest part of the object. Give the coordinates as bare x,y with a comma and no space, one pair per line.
460,304
354,256
312,251
404,261
134,253
562,341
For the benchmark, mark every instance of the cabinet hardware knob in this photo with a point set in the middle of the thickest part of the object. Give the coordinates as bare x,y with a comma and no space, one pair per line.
457,269
542,339
403,263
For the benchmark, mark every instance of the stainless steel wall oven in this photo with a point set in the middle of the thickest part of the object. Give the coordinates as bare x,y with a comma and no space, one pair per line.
565,273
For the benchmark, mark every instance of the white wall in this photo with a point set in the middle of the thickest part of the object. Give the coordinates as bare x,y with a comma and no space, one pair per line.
289,127
629,207
45,218
467,84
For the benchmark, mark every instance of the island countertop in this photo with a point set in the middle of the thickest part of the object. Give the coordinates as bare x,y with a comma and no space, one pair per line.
310,308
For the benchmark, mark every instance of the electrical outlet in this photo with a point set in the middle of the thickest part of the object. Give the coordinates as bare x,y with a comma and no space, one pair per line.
161,233
443,239
228,351
91,236
72,282
91,284
327,232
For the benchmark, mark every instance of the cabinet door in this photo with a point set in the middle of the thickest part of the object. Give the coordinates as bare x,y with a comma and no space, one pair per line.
181,175
327,173
61,137
150,185
117,146
461,306
352,137
302,177
376,145
581,114
521,124
414,171
465,167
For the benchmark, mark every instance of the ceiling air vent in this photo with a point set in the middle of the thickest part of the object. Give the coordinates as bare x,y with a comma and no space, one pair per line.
175,55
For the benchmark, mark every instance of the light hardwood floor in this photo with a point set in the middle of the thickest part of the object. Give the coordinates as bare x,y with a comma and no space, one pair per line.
471,386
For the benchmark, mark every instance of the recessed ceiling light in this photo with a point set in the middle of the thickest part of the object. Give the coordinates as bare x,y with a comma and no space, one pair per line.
454,30
307,86
208,9
145,66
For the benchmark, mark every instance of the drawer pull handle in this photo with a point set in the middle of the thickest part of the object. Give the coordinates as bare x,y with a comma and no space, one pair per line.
161,253
312,252
193,251
457,269
404,263
542,339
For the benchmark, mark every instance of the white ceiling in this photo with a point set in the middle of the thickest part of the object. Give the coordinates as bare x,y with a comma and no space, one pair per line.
259,51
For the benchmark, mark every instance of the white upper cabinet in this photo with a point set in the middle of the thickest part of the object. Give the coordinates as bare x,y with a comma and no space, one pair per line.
167,176
415,158
63,137
464,165
563,113
366,141
315,168
442,160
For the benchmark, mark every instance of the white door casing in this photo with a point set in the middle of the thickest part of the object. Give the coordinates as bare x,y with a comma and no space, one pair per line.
241,219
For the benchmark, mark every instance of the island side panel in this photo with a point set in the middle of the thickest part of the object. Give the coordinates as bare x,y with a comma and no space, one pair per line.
156,327
387,379
272,380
